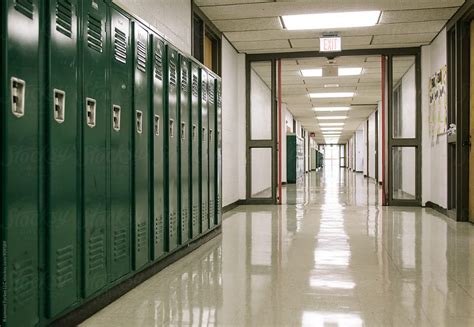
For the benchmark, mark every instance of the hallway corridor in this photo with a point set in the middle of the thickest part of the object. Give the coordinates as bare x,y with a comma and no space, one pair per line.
330,257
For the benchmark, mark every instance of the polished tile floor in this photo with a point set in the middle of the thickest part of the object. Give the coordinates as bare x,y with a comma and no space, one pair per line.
330,257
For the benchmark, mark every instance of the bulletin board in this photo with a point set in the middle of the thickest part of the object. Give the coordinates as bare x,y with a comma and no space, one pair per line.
438,102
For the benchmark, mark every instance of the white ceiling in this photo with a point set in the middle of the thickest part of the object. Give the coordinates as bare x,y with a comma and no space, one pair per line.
253,26
367,88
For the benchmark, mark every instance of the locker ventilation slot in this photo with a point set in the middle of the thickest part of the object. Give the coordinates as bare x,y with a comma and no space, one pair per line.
23,283
195,85
120,46
158,64
64,266
141,236
120,244
26,7
141,56
94,33
172,73
64,17
158,229
211,92
195,215
204,91
172,224
96,253
212,210
184,80
184,219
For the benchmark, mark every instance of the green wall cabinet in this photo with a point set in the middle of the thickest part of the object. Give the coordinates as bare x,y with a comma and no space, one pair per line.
294,158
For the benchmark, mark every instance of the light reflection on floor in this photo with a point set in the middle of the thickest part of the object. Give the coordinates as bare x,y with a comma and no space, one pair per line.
330,257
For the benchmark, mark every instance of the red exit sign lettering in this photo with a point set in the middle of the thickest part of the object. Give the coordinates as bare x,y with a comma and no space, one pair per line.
330,44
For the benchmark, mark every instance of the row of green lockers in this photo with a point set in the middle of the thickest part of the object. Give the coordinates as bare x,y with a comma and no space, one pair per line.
111,153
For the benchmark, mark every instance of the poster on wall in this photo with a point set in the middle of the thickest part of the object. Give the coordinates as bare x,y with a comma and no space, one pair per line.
438,102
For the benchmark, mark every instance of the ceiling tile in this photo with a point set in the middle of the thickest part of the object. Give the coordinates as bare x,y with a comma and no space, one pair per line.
405,16
404,38
251,24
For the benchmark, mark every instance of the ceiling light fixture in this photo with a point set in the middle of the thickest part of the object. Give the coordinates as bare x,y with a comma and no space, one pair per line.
349,71
331,124
331,117
331,85
318,72
332,95
331,128
320,109
331,20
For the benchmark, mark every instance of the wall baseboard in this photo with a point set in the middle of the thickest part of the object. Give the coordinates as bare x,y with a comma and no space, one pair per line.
233,205
437,208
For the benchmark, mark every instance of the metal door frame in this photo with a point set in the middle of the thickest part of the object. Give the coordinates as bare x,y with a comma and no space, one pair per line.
404,142
261,144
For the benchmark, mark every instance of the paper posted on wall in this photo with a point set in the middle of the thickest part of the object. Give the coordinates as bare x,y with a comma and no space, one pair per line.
438,102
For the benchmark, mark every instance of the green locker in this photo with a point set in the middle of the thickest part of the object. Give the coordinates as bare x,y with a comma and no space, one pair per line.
20,217
141,150
219,150
159,57
195,158
119,124
172,147
212,149
62,155
184,183
94,132
204,152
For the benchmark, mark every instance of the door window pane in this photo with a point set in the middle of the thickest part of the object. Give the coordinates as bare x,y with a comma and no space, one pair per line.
261,172
260,101
404,173
404,97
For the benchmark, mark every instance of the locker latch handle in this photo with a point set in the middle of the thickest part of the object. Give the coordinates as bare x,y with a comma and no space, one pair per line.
139,119
194,132
183,131
204,132
18,97
171,127
116,115
59,105
91,110
157,125
210,134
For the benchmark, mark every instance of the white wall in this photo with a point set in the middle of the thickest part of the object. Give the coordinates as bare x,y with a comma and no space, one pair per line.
171,18
233,124
434,151
359,148
364,151
372,150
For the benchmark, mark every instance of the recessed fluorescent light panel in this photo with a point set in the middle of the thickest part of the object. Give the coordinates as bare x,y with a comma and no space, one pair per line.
349,71
331,117
318,72
331,124
332,95
331,20
330,109
331,128
331,85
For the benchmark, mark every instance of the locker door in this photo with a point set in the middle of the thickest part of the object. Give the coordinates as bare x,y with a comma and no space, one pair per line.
62,186
204,153
185,150
172,136
94,178
159,55
219,150
141,150
20,28
212,150
119,130
195,158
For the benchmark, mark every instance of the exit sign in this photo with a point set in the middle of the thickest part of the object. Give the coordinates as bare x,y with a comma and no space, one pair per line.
330,44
